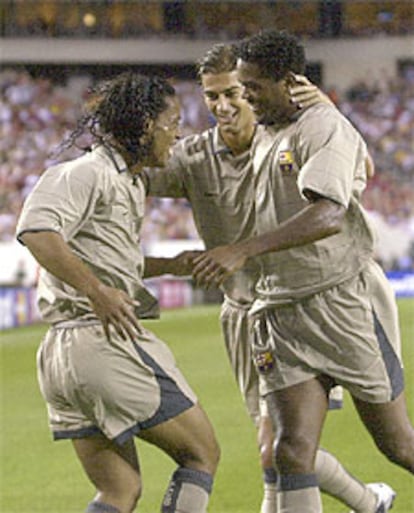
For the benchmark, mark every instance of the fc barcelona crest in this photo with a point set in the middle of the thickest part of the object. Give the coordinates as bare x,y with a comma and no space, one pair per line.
264,362
286,161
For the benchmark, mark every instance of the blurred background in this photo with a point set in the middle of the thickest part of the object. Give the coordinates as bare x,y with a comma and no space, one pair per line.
360,52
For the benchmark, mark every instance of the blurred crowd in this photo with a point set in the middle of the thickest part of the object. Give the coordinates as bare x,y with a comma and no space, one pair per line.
384,113
202,19
36,114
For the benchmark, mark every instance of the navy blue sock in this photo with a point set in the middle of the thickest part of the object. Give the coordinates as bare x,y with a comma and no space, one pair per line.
291,482
101,507
270,475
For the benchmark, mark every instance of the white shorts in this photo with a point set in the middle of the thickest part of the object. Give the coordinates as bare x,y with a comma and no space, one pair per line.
237,330
116,388
349,332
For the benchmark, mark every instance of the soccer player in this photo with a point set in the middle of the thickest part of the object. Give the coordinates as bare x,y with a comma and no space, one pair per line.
213,170
324,312
103,376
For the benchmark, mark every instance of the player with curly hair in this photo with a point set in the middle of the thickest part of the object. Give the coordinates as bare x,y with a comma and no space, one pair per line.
103,376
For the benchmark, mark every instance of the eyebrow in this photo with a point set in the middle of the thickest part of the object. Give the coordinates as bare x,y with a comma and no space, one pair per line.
248,81
228,90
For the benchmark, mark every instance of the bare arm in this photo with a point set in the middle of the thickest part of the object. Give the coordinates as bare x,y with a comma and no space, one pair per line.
321,219
180,265
112,306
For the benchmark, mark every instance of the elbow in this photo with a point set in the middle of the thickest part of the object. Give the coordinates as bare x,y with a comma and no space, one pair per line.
333,229
333,215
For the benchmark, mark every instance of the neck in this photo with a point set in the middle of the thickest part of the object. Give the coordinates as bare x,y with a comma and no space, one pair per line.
133,167
289,115
238,142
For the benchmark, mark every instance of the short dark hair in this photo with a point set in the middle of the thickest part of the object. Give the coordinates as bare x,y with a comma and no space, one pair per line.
276,52
220,58
121,107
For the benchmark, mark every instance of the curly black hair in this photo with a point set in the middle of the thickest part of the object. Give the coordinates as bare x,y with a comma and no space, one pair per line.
275,52
120,108
220,58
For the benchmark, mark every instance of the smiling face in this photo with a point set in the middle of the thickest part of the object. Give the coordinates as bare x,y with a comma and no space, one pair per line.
269,99
164,132
223,97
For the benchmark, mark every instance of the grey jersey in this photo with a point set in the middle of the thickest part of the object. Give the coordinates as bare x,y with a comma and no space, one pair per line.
220,189
94,204
322,152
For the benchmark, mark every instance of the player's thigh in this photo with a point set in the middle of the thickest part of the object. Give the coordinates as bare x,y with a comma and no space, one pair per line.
188,438
387,422
299,411
111,467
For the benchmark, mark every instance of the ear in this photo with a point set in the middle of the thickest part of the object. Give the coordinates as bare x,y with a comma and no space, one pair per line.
149,126
148,131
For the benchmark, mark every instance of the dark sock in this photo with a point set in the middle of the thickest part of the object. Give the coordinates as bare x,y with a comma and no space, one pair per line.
101,507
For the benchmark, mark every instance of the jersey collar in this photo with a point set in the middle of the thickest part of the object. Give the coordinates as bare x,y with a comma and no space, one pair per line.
115,157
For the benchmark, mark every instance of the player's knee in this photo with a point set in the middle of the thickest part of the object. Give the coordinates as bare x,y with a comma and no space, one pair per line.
399,449
127,493
135,496
212,457
205,457
266,453
115,501
294,453
265,439
131,498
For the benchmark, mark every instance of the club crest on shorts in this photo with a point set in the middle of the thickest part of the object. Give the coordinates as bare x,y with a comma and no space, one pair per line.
264,362
285,161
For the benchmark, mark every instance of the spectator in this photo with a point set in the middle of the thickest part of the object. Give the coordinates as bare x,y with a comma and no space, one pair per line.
37,113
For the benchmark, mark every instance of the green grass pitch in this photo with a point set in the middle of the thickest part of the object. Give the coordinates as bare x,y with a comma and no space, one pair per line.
38,475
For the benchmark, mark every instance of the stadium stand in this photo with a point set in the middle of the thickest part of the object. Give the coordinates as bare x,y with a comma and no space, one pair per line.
38,109
203,19
38,113
41,90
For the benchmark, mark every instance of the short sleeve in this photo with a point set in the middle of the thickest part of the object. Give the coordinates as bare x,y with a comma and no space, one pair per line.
62,200
332,154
